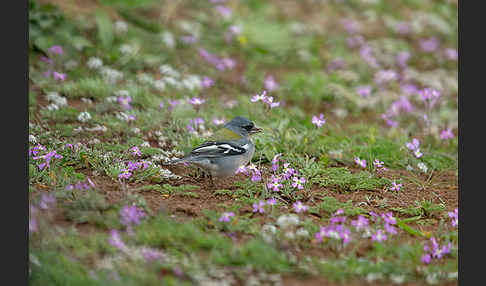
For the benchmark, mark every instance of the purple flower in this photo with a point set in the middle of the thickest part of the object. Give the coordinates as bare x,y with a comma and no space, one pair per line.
46,60
390,229
224,11
355,41
275,161
136,151
270,83
55,50
161,105
131,215
125,174
48,201
242,169
379,236
299,207
188,40
259,97
116,240
269,100
413,145
361,163
229,63
151,254
207,82
446,134
429,45
287,171
363,90
389,121
388,217
318,121
59,76
345,235
400,105
193,125
377,163
429,96
417,153
271,202
197,101
408,88
451,54
275,185
335,64
403,28
172,103
351,26
402,58
360,223
426,258
455,217
125,101
47,159
298,182
259,207
226,216
366,53
385,76
395,187
33,225
217,121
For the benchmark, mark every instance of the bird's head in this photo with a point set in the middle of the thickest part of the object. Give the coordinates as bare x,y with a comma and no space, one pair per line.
242,126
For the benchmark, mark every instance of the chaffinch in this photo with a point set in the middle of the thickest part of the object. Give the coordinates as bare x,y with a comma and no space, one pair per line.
224,152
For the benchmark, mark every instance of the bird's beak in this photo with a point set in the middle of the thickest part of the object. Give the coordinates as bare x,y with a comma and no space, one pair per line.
255,130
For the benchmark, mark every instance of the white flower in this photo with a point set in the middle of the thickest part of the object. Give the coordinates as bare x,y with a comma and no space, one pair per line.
302,232
409,168
121,27
94,63
192,82
111,99
55,98
94,141
145,78
86,100
99,128
159,85
268,231
168,39
84,116
122,93
422,167
52,107
289,234
145,144
136,130
111,75
285,221
371,277
169,71
397,279
32,139
432,278
71,64
126,49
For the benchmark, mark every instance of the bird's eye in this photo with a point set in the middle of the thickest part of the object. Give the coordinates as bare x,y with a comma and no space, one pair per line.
249,126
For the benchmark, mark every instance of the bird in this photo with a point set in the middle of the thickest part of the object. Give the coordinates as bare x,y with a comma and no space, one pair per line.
225,151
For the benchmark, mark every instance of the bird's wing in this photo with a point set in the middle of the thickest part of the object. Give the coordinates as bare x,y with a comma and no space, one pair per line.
218,148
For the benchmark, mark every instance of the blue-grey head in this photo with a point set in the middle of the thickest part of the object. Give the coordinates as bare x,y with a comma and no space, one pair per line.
242,126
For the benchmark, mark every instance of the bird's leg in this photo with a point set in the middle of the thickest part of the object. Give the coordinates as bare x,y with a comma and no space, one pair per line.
211,180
